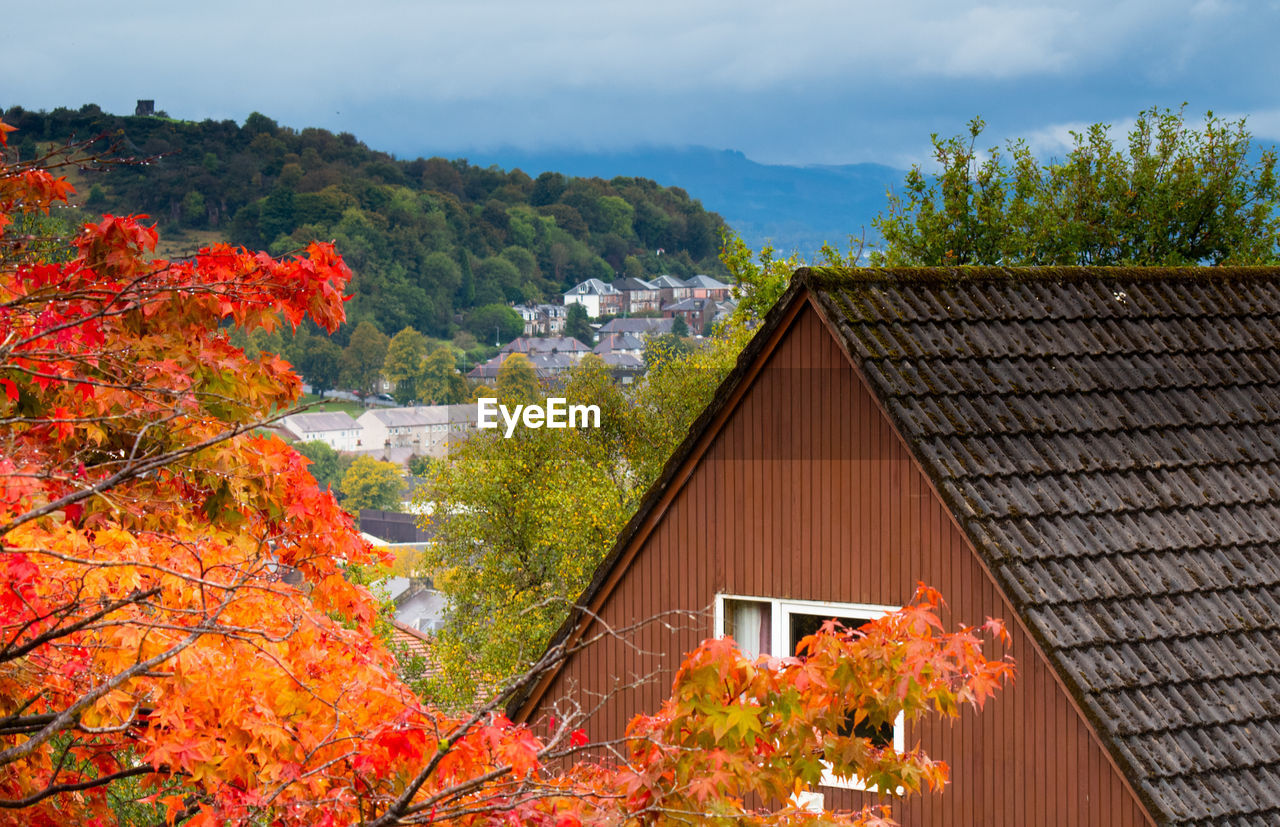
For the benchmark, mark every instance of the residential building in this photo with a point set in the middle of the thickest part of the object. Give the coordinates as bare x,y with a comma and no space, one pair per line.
705,287
530,346
641,328
620,343
1092,455
639,296
599,298
334,428
542,319
671,289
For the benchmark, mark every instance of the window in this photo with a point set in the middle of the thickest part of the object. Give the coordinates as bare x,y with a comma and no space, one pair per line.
768,626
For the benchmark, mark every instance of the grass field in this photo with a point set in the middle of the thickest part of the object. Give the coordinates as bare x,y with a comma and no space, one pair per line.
352,408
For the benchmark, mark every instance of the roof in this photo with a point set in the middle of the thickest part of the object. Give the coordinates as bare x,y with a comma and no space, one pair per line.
321,421
1109,440
705,282
549,344
642,326
610,342
630,284
667,281
695,305
592,287
399,417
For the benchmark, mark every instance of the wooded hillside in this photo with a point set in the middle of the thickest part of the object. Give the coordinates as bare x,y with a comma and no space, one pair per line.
428,239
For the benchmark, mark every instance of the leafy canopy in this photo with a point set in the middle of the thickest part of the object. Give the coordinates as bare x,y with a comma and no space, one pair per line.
1171,195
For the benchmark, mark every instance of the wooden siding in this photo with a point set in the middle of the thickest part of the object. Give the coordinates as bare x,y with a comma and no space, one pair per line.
807,493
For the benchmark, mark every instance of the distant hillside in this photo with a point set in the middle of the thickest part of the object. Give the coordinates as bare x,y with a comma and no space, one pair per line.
429,240
797,208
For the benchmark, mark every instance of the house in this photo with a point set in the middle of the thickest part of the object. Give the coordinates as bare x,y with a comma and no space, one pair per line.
334,428
639,296
695,312
640,328
705,287
531,346
671,289
1092,455
599,298
395,428
542,319
620,343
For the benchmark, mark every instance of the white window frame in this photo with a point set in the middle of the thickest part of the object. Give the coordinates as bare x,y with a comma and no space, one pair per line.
780,611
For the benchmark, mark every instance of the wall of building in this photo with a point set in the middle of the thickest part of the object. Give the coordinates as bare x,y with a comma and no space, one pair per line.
807,493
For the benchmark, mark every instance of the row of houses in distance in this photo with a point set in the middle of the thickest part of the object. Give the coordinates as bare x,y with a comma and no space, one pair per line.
621,348
393,434
629,296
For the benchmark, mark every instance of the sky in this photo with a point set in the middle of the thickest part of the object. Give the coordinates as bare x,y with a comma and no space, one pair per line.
783,81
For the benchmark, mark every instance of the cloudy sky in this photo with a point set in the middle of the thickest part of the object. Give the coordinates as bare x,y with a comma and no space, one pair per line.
785,81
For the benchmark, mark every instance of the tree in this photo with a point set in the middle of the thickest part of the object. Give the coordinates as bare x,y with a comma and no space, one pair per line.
1174,196
370,483
439,382
321,364
150,648
403,364
517,381
679,327
327,465
577,325
141,525
495,323
363,358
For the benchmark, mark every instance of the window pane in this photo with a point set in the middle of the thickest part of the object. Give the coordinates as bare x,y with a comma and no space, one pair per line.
750,623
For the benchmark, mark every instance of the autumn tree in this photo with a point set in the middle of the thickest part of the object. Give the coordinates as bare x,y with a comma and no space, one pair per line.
439,381
1170,195
517,380
403,364
371,483
176,626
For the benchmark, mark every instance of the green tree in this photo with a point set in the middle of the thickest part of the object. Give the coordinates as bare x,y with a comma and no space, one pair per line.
439,382
327,465
577,324
520,525
495,320
363,358
517,380
321,364
403,364
679,327
1172,195
370,483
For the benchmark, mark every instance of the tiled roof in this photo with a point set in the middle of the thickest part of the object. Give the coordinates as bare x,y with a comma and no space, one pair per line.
705,281
636,325
399,417
1110,441
318,422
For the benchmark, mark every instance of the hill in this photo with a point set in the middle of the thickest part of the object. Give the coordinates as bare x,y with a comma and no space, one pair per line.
429,239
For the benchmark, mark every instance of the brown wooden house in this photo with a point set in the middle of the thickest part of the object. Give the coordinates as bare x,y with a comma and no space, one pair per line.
1092,455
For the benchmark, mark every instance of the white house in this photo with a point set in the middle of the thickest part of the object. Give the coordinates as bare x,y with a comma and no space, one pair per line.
598,298
395,428
334,428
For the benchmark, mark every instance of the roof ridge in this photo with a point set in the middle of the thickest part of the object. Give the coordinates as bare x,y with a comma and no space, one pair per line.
827,277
